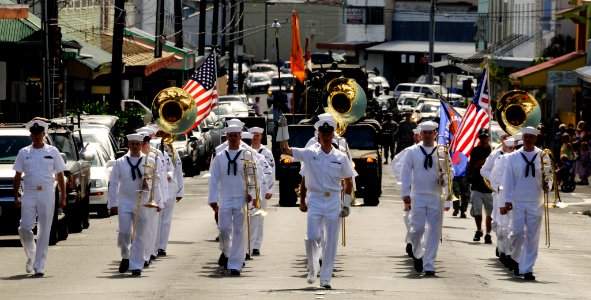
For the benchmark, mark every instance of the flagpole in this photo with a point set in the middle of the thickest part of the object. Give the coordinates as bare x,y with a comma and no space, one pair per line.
488,111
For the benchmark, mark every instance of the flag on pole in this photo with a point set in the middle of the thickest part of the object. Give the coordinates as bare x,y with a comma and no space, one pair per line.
449,123
477,116
308,55
202,85
297,57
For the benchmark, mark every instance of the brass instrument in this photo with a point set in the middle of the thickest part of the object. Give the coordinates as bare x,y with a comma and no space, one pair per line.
345,99
445,170
149,173
174,110
251,183
547,166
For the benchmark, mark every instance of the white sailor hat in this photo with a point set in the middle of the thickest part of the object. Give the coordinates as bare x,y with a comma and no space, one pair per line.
255,130
326,116
416,130
235,122
510,142
146,129
517,136
325,126
529,130
135,137
37,125
233,128
428,126
246,135
520,143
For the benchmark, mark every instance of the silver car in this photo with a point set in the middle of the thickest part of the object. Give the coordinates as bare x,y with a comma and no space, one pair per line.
100,170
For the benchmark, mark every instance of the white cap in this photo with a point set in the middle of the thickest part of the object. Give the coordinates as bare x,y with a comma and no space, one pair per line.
36,124
529,130
324,125
235,122
428,126
326,116
246,135
146,129
416,130
517,136
255,130
135,137
233,128
510,142
520,143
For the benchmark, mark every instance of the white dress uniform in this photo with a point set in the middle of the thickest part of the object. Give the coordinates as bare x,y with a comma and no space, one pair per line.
420,182
257,222
39,167
502,221
523,188
486,171
160,196
124,193
323,173
226,170
176,188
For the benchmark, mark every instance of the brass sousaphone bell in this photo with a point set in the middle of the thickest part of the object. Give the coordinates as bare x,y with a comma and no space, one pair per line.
345,99
174,110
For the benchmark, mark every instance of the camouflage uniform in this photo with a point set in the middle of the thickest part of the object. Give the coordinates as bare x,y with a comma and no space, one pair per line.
388,137
461,189
405,134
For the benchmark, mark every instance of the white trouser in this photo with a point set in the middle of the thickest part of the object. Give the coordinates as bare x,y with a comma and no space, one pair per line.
323,230
525,234
232,227
495,214
256,232
425,212
165,223
134,251
406,218
151,232
36,205
505,230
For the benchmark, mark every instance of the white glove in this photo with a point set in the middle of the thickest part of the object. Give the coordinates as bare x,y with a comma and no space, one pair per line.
447,205
344,212
347,201
282,132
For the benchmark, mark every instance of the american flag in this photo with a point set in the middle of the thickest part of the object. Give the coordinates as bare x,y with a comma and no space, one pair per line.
477,116
202,85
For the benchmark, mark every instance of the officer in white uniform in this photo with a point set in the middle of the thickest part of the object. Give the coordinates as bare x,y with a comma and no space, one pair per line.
396,164
176,191
227,170
523,195
128,192
421,184
325,168
41,165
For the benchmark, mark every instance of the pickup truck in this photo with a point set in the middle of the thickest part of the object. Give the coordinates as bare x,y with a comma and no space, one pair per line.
13,137
77,172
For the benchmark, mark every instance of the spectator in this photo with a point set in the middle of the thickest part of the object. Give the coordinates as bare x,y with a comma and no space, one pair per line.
256,106
567,148
583,165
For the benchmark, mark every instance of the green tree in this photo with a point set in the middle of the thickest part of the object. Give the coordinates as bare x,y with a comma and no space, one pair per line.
559,45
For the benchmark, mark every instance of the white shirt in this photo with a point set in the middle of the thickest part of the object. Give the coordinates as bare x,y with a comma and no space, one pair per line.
416,180
324,171
488,165
38,165
224,185
269,174
123,189
517,187
398,162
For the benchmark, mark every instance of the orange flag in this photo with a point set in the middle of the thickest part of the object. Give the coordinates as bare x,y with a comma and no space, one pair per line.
297,56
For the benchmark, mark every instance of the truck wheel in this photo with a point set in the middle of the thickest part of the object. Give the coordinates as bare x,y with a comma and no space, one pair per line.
86,210
74,217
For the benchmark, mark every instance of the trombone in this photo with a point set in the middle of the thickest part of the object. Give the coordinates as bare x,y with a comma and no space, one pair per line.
149,173
547,164
445,170
251,183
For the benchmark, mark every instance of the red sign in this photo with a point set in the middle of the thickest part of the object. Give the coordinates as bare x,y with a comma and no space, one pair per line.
424,60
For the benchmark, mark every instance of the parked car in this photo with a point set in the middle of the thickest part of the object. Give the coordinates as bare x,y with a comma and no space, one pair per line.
235,98
14,137
269,69
423,79
216,125
100,170
428,111
408,100
286,83
286,68
375,81
233,109
322,58
257,83
137,104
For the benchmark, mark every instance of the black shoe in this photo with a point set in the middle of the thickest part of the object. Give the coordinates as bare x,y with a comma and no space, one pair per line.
223,260
247,257
502,257
529,276
455,213
234,272
39,274
217,238
487,239
429,273
409,250
146,264
320,262
516,269
124,265
477,236
509,263
497,252
256,252
418,264
136,272
463,215
161,252
152,257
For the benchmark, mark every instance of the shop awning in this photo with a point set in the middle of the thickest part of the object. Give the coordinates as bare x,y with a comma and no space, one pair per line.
184,58
421,47
89,61
15,25
347,46
584,73
537,76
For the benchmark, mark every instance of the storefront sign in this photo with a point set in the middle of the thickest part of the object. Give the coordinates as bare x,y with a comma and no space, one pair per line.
354,15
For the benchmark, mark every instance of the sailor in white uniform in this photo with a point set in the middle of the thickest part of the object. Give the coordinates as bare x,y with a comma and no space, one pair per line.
421,183
41,165
325,168
227,170
128,192
523,189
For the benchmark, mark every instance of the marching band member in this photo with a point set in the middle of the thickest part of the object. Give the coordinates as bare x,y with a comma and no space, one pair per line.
176,191
269,177
325,168
128,191
421,182
523,194
226,170
41,165
397,163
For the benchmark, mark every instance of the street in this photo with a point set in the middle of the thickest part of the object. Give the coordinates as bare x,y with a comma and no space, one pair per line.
372,265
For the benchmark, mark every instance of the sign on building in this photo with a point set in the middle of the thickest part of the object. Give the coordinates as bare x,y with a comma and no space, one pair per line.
354,15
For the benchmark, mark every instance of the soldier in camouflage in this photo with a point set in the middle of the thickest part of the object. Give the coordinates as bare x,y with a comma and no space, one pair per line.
405,132
388,136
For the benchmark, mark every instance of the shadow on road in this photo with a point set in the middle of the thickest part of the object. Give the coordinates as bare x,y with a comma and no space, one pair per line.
10,243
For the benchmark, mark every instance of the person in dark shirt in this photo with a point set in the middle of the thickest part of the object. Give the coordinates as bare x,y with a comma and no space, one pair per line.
388,136
405,135
481,193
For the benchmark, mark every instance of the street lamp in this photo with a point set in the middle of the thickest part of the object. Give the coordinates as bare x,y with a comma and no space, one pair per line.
276,25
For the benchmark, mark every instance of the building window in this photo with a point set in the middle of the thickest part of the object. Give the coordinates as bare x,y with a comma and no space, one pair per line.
375,15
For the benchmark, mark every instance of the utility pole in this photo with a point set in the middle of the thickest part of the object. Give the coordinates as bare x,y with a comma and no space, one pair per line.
178,24
117,54
232,27
224,9
241,43
202,16
53,59
214,24
431,41
159,39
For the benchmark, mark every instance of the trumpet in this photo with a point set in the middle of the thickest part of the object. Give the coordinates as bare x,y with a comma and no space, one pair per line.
445,170
149,173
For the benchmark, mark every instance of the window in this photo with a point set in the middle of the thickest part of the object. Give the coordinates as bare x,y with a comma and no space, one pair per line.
375,16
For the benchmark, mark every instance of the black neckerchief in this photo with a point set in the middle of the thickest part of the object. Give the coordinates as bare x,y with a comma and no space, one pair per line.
529,164
232,161
428,158
260,150
135,168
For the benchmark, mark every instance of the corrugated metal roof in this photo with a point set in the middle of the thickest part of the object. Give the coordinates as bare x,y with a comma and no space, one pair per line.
15,30
422,47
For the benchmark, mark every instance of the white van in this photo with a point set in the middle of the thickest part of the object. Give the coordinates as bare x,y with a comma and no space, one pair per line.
429,90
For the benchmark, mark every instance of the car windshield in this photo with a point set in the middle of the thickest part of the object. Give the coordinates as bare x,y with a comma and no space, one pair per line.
284,81
300,135
221,110
9,147
410,101
259,68
403,88
64,145
360,137
427,108
100,138
259,78
230,99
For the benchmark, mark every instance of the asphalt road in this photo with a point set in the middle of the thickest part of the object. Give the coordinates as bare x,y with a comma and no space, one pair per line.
372,265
